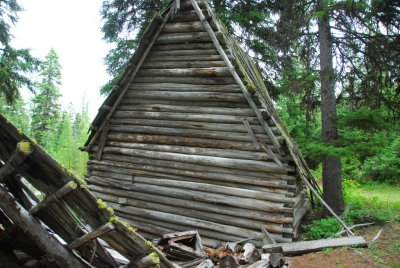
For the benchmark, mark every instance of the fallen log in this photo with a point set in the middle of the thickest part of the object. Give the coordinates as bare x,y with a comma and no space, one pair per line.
298,248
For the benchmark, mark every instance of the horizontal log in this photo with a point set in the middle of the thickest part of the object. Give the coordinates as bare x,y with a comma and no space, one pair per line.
187,52
183,27
192,222
184,87
245,112
193,133
209,103
202,160
239,128
188,72
170,140
187,5
186,80
123,171
181,47
212,118
202,215
218,173
301,247
238,154
203,57
189,15
182,64
177,38
115,194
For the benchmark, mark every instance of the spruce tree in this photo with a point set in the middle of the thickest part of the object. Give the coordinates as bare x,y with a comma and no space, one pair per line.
45,103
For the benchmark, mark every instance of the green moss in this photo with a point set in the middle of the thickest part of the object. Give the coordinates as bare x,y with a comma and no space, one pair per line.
25,147
113,219
154,258
83,185
101,204
129,227
73,184
149,244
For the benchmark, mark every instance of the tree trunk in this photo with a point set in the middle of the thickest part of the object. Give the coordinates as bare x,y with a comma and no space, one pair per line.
331,165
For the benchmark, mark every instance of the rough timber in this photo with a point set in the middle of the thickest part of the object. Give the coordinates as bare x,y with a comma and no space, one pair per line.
189,138
69,212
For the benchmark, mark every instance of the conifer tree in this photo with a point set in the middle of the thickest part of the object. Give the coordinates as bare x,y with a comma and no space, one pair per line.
45,104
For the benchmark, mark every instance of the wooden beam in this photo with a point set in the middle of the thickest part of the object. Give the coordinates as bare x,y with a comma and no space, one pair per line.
60,193
102,140
90,236
298,248
16,159
35,231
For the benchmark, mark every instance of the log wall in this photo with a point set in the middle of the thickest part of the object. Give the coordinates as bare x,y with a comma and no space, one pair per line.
178,155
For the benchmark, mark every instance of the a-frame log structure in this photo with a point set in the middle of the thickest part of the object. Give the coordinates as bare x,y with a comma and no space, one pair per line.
189,138
68,227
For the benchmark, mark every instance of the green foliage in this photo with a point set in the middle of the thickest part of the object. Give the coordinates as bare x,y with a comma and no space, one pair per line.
385,166
15,64
16,113
323,228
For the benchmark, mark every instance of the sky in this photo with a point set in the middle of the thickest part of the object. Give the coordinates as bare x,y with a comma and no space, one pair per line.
73,29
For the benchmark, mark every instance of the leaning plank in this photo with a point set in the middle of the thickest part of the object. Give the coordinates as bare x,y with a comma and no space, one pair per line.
16,159
60,193
90,236
34,230
298,248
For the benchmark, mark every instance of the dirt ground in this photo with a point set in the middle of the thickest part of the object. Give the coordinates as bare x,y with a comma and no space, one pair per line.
385,252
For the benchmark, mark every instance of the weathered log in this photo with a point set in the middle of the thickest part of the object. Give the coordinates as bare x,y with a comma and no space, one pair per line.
189,15
183,27
185,5
182,47
186,102
182,64
182,133
102,140
184,87
150,261
298,248
186,52
16,159
90,236
220,199
193,170
188,221
191,125
35,231
210,118
200,96
184,58
188,109
179,38
186,80
191,72
250,254
60,193
205,160
238,154
217,217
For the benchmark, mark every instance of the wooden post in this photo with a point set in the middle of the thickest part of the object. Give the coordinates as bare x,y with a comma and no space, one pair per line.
18,156
60,193
35,231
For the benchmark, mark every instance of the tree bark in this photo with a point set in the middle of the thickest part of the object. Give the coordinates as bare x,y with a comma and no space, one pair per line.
331,165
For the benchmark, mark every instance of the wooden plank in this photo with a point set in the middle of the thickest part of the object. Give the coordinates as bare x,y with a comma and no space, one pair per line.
177,38
186,52
60,193
188,15
19,155
186,102
91,236
182,47
251,133
298,248
186,80
205,58
102,140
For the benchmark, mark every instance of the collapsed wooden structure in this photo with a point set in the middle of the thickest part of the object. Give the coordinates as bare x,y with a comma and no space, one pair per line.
189,138
69,227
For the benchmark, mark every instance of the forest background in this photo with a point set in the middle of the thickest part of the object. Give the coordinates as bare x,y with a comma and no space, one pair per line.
283,38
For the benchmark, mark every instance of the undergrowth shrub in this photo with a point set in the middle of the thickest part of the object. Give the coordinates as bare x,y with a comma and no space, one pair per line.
323,228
